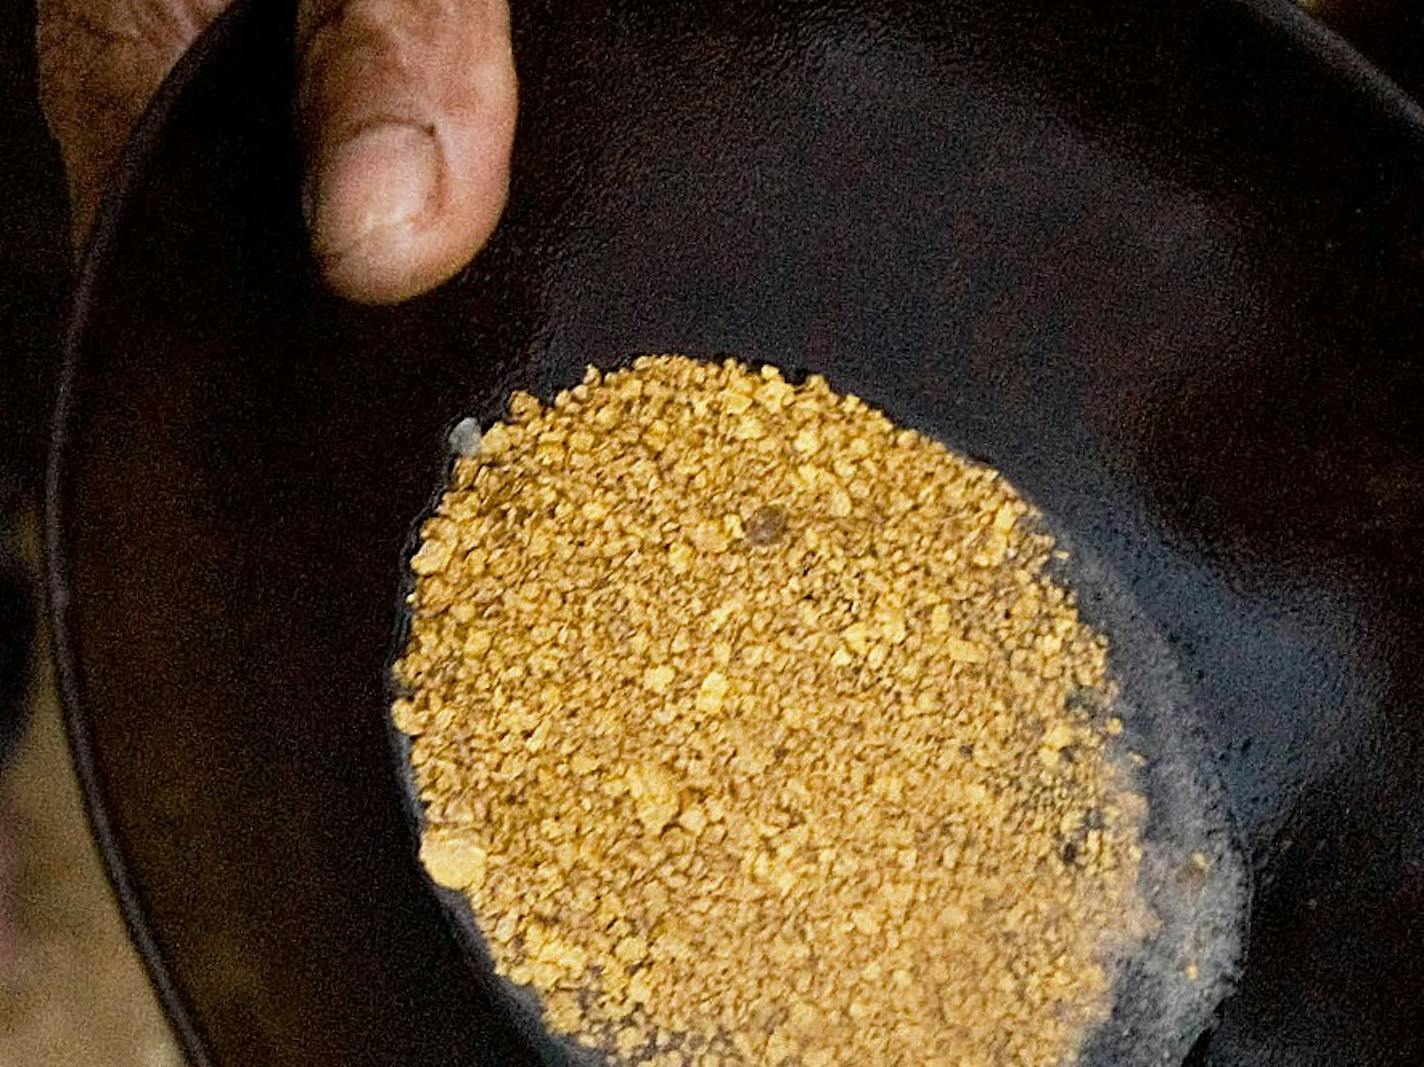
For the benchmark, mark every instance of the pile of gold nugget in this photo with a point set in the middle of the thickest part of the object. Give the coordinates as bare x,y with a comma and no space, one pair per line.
756,733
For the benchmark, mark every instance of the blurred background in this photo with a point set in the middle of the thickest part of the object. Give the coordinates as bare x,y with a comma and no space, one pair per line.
72,991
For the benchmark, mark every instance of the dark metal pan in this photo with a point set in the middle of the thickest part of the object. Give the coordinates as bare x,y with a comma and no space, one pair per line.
1161,264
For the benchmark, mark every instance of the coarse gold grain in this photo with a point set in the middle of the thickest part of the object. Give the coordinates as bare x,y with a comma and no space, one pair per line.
753,728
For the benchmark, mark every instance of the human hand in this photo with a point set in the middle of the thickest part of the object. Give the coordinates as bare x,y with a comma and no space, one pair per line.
405,109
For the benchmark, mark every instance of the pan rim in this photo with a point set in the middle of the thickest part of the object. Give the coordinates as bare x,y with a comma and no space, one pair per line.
143,141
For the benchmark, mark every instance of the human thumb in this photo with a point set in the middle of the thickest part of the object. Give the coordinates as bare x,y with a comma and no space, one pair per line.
406,110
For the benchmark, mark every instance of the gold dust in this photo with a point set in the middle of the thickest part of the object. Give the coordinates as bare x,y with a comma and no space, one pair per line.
743,719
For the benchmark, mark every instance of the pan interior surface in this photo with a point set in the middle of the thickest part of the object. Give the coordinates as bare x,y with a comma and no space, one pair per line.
1161,268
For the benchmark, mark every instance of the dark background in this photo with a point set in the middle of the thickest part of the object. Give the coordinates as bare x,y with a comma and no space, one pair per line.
33,277
33,254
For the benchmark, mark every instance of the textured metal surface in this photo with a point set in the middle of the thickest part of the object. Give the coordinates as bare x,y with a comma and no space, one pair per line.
1162,267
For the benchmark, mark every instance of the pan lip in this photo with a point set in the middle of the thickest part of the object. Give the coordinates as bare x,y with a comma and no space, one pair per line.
1292,20
1284,17
143,141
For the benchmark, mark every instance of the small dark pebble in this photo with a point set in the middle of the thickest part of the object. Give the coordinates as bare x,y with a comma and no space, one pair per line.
766,526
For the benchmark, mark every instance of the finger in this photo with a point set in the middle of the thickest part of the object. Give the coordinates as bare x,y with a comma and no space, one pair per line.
100,62
407,112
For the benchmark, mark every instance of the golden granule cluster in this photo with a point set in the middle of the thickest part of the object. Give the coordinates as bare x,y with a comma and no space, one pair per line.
755,732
